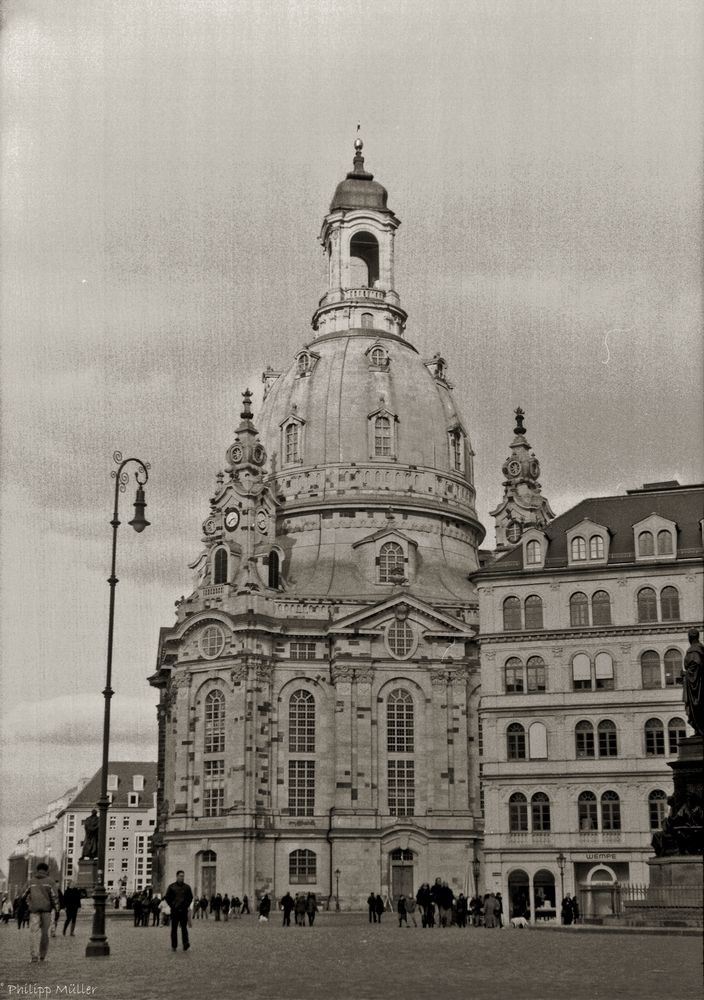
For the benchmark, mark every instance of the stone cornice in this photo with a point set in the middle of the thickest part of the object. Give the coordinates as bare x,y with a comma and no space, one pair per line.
543,636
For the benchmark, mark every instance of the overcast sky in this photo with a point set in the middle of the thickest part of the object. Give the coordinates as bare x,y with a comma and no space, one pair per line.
165,170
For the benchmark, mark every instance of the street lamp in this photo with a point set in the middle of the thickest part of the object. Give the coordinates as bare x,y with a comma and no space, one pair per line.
337,889
562,861
98,946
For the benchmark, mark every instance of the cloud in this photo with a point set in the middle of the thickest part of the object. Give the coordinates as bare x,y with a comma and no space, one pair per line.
77,721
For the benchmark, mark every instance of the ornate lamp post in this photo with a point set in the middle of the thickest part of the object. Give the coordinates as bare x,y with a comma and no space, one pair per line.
337,888
562,861
97,946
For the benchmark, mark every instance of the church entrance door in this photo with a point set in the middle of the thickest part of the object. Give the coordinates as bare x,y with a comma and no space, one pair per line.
208,871
401,881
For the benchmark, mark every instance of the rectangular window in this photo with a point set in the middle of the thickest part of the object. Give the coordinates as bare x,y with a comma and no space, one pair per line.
581,673
302,867
125,822
584,742
607,743
125,864
514,679
654,742
302,650
111,865
112,822
401,780
125,843
301,787
111,843
536,678
69,866
133,799
213,787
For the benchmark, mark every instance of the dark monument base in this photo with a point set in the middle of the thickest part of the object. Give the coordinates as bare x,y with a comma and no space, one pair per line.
87,873
688,769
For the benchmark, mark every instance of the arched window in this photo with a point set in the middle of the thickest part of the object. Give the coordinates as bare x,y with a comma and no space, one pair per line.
608,744
581,673
578,549
512,614
601,608
367,321
647,605
391,563
650,669
596,547
513,675
533,553
301,722
400,638
587,811
537,741
664,543
382,437
610,811
292,451
657,808
377,356
302,867
220,566
584,739
303,363
540,812
579,610
535,673
456,450
518,813
646,546
654,738
516,742
274,569
534,612
399,722
676,731
669,604
603,672
214,722
673,668
364,260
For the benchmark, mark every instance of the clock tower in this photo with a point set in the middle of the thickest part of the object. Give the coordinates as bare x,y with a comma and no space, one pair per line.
523,505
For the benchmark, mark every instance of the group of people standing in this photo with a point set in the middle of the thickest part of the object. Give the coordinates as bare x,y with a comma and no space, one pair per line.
438,906
304,906
569,910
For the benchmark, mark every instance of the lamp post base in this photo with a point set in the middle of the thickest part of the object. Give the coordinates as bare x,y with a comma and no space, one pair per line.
98,946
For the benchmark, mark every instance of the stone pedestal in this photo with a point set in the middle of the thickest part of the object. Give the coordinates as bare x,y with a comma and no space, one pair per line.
87,877
688,769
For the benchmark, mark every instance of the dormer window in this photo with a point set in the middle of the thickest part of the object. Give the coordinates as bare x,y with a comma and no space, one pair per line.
138,782
305,363
534,555
391,563
578,549
588,542
132,799
664,543
382,434
646,544
596,547
377,355
112,782
655,538
292,432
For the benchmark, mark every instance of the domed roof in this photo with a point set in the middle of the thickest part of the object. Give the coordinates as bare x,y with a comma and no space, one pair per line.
344,389
359,189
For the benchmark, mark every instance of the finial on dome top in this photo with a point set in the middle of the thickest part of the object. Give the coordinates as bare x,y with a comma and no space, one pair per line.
246,413
358,158
519,428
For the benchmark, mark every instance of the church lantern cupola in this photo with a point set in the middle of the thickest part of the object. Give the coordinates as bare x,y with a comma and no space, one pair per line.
523,505
358,241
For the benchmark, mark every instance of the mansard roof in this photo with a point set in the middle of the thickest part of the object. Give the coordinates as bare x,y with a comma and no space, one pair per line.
682,504
88,796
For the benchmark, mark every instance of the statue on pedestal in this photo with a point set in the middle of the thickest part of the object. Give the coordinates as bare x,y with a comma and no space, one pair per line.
90,843
693,683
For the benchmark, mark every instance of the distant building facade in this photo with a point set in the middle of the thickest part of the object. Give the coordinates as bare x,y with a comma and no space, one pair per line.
583,631
318,691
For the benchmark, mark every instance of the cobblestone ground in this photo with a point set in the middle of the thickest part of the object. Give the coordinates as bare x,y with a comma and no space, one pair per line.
342,957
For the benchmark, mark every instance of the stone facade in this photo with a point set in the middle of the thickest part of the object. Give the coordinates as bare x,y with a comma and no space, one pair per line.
319,689
583,631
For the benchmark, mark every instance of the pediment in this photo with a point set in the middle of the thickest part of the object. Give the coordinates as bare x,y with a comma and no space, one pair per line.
373,619
388,535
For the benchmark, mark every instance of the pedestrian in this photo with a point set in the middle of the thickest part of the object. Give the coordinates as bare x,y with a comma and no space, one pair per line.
235,907
379,907
225,907
21,910
371,903
287,904
311,908
204,907
575,910
566,911
245,904
72,904
461,910
411,909
444,897
179,897
264,908
500,912
491,909
216,905
300,909
137,910
40,897
402,911
165,913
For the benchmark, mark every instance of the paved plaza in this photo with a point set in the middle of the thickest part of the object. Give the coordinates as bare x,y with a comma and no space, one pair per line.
343,956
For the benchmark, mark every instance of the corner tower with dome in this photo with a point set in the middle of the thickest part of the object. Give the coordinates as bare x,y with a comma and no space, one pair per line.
319,689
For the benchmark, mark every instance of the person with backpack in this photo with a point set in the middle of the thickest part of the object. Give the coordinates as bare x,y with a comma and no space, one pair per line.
41,899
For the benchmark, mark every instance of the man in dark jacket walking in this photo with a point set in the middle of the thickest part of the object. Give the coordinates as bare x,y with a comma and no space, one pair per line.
41,898
179,897
72,904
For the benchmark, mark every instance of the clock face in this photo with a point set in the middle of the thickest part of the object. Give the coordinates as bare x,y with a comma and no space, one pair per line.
259,454
210,526
514,531
514,468
534,468
262,521
232,519
236,453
